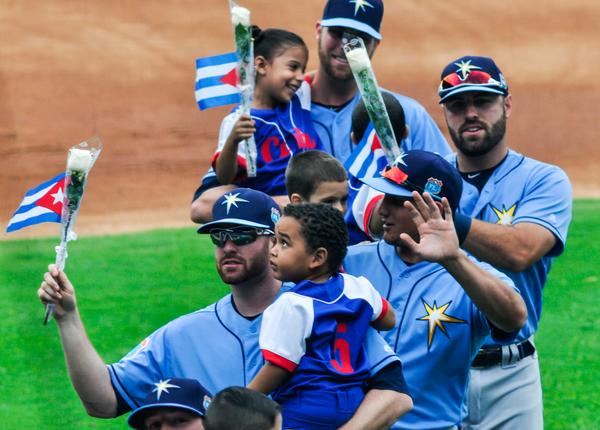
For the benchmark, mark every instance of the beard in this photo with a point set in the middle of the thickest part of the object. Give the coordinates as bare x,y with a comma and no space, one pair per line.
492,137
339,73
246,268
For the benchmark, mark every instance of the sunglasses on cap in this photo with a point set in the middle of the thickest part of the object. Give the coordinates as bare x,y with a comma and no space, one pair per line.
476,77
239,236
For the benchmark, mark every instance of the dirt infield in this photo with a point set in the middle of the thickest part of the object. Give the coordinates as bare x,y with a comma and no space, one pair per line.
125,71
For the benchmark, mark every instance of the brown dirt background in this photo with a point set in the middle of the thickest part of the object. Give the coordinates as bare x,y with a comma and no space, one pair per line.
124,70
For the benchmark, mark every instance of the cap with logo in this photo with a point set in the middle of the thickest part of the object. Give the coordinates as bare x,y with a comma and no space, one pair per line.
471,73
179,393
360,15
419,171
243,207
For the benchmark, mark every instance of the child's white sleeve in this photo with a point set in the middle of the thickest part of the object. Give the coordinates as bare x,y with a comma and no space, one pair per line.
286,326
361,288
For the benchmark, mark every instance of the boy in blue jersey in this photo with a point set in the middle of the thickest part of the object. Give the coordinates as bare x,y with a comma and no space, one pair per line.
312,336
514,214
317,177
447,303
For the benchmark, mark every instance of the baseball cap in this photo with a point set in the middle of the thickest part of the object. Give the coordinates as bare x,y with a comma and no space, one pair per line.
359,15
471,73
420,171
243,207
178,393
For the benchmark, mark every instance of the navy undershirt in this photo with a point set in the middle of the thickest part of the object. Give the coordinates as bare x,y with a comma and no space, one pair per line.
480,177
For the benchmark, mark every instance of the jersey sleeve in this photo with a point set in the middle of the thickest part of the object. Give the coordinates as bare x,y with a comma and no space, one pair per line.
547,201
303,95
285,328
361,288
363,206
224,132
134,375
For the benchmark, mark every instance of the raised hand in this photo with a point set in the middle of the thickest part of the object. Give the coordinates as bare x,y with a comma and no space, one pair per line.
437,236
56,288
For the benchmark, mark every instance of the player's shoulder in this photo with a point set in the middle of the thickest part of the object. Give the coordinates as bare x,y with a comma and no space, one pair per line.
409,105
534,170
362,248
199,317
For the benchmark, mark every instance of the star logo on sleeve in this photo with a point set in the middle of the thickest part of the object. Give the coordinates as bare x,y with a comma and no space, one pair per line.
163,387
232,200
505,216
436,317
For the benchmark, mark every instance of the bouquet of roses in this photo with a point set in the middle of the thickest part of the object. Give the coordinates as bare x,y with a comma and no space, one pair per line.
244,48
360,64
80,161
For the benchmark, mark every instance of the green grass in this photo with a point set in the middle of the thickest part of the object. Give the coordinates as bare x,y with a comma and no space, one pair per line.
129,285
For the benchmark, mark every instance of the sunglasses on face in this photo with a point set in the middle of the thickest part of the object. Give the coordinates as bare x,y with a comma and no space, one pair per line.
239,237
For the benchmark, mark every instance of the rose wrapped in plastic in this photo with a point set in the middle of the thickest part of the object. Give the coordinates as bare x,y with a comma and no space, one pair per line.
244,48
80,161
360,64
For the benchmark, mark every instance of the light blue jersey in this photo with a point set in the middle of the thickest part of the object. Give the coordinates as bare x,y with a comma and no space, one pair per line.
334,127
438,330
522,189
215,345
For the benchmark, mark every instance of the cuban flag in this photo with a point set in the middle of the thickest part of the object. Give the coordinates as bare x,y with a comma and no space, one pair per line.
43,203
216,79
368,158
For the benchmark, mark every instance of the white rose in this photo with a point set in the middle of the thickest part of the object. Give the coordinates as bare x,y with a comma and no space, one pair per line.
358,59
79,160
240,15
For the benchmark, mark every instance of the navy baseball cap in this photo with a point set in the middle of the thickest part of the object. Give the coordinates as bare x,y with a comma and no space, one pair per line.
178,393
361,15
243,207
471,73
419,171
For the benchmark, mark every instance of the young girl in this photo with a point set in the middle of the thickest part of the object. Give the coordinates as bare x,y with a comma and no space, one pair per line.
280,117
312,337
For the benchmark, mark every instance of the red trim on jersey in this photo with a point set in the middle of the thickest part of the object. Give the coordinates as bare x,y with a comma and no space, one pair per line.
384,309
368,213
279,361
241,162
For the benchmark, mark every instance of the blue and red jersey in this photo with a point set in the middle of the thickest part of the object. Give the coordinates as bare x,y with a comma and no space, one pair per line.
280,133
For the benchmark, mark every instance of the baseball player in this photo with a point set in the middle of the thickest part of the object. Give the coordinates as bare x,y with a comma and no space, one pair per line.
312,336
514,214
446,302
333,90
217,345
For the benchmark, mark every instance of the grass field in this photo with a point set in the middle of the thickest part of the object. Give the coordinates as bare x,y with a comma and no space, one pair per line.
129,285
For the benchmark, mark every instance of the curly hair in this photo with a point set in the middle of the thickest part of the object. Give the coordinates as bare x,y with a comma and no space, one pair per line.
322,226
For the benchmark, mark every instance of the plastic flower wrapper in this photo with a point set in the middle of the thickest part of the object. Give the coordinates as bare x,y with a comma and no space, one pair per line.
244,48
360,64
80,160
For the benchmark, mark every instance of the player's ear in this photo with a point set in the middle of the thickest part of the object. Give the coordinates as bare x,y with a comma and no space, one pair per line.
507,105
353,138
260,65
296,198
319,258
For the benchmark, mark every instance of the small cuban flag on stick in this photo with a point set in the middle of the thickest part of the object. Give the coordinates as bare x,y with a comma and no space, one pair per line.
43,203
216,81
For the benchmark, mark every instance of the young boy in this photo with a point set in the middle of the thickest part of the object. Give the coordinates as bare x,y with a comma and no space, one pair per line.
312,337
317,177
368,160
242,409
